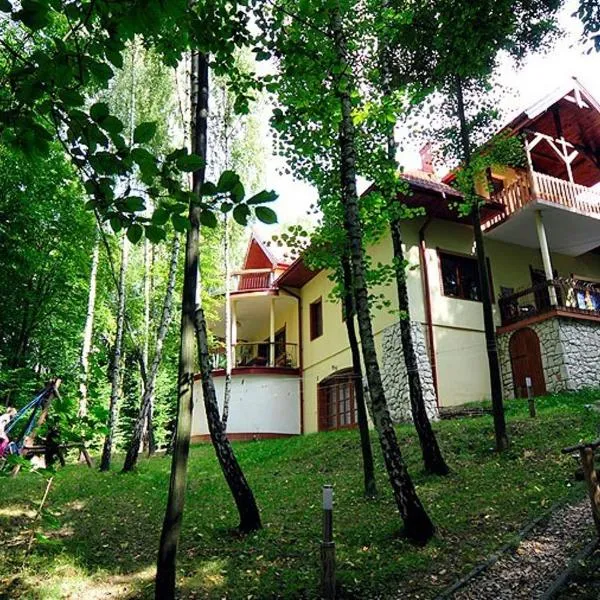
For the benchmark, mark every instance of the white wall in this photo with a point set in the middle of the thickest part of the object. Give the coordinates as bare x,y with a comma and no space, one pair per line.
260,403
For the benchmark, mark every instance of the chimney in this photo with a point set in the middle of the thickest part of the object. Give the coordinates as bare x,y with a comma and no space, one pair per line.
426,158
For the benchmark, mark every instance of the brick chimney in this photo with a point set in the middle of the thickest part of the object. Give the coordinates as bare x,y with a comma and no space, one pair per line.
426,158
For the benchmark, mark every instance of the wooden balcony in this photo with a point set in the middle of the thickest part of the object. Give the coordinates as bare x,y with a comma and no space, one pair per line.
560,296
279,355
253,279
544,188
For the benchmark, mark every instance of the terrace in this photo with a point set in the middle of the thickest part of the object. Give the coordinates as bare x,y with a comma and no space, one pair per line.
558,297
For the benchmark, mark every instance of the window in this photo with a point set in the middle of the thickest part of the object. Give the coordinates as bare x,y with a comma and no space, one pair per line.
337,403
460,276
316,319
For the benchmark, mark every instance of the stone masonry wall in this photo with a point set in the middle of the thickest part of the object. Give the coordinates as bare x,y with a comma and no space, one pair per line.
581,344
570,350
395,378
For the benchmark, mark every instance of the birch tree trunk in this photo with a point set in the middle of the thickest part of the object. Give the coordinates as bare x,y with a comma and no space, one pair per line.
165,321
502,442
84,360
115,376
363,423
433,460
417,524
228,347
169,539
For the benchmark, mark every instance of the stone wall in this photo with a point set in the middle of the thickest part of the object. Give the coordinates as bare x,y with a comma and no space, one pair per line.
395,378
570,350
581,343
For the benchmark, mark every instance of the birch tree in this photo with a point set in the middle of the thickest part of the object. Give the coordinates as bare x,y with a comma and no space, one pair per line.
149,385
115,371
84,360
315,121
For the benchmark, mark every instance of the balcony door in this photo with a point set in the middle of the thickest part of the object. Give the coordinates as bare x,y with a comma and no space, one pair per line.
337,401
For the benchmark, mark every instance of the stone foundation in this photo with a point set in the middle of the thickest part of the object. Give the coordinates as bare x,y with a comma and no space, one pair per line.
395,378
570,350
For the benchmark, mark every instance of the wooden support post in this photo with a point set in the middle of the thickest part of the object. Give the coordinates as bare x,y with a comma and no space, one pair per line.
328,547
541,233
530,398
272,333
589,472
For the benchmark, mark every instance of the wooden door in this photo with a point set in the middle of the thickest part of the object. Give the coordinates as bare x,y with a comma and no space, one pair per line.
526,361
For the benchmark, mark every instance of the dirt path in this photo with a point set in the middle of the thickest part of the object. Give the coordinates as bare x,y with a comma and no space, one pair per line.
529,571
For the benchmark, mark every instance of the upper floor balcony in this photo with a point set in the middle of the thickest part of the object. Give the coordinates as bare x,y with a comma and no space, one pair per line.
539,187
570,212
250,280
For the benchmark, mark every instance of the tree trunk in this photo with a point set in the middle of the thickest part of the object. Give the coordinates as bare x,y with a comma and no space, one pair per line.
228,347
363,424
146,333
115,375
433,460
169,540
486,292
145,407
240,490
84,364
418,526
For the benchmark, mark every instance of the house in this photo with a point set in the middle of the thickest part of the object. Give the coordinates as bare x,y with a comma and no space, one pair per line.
541,226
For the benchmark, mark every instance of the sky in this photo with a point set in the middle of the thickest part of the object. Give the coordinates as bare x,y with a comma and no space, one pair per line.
540,75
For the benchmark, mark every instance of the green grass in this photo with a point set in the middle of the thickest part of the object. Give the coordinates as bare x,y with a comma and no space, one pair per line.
110,523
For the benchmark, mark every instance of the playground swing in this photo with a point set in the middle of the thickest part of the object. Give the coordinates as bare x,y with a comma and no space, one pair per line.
24,444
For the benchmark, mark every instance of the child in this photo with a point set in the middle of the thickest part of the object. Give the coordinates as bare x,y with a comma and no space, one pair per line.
5,419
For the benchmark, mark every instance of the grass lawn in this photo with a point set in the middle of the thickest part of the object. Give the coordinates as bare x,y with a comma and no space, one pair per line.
109,524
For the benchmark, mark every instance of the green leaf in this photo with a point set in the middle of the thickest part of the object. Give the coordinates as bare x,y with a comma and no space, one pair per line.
241,213
266,215
160,216
238,192
262,197
134,204
227,181
208,219
144,132
180,223
113,125
114,57
226,207
209,189
99,111
71,97
5,6
189,163
155,234
115,223
134,233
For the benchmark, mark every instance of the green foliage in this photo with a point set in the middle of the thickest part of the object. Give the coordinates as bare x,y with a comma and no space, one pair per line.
45,244
589,13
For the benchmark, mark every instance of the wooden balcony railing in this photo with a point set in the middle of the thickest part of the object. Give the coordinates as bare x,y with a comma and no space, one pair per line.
258,354
571,296
549,189
253,279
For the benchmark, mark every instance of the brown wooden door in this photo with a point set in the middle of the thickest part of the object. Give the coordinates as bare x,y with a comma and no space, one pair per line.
526,361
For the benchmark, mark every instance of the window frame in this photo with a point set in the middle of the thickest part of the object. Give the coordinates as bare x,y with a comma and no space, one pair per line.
329,393
442,251
315,329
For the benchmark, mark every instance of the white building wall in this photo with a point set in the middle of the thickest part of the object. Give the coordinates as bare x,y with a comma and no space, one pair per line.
260,403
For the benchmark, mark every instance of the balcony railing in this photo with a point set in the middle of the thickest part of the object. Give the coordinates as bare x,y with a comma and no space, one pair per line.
549,189
253,279
260,354
564,294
